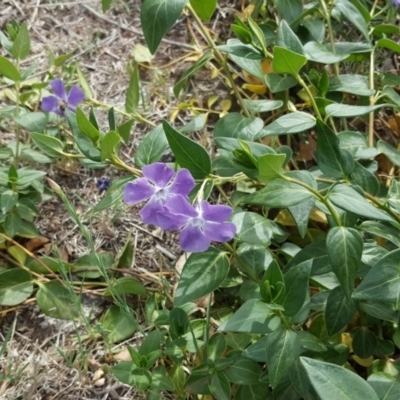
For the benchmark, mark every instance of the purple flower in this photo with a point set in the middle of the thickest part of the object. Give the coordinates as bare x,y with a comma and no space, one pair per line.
158,185
200,224
62,101
103,184
395,3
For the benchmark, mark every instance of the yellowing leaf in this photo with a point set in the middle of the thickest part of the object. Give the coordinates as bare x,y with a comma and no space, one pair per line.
226,105
211,100
285,218
318,216
364,362
173,115
257,89
304,95
141,54
266,66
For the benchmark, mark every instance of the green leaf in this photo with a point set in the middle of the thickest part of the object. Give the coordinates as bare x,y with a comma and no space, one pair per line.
204,8
356,144
235,125
346,110
56,301
383,230
287,39
51,146
301,215
351,83
332,382
289,123
253,228
296,284
350,200
22,43
339,311
254,316
152,147
133,92
281,193
270,166
345,246
119,324
257,257
351,13
8,200
199,64
278,83
388,44
364,178
379,310
332,160
15,286
188,153
287,61
243,371
389,151
387,387
382,282
157,18
219,386
310,342
317,52
124,130
202,274
259,106
283,347
86,127
33,121
8,70
124,286
105,5
289,9
364,342
110,146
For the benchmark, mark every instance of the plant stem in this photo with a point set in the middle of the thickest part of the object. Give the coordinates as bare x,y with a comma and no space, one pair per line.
220,58
17,127
371,100
310,95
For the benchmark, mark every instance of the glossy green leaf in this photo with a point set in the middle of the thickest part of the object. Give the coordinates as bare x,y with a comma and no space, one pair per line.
259,106
243,371
120,324
204,8
379,310
22,43
351,83
364,342
8,200
332,382
235,125
270,166
289,123
318,52
389,151
339,311
124,286
105,5
283,347
278,83
345,247
386,387
353,15
188,153
383,230
110,146
296,284
288,40
301,215
202,274
287,61
332,160
51,146
157,18
86,127
133,92
253,228
281,193
257,257
382,282
8,69
350,200
15,286
57,301
219,386
364,178
33,121
347,111
254,316
151,147
289,9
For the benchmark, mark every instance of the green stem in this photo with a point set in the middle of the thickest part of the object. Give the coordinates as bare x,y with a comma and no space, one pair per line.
119,163
318,195
310,95
371,100
220,58
226,198
207,327
241,264
382,206
17,127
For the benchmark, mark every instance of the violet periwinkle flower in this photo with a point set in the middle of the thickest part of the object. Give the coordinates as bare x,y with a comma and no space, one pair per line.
103,184
158,185
200,224
395,3
61,101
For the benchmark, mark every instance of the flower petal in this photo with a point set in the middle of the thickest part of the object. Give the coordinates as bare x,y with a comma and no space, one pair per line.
49,104
219,232
149,212
137,191
179,205
158,173
215,213
75,96
183,183
193,239
59,89
170,222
